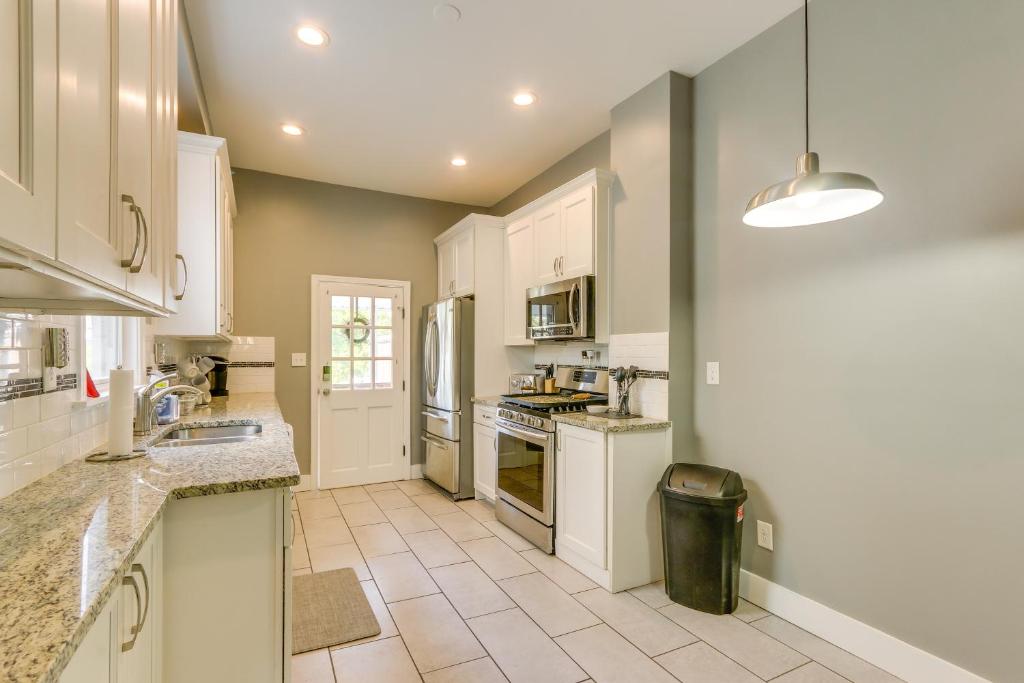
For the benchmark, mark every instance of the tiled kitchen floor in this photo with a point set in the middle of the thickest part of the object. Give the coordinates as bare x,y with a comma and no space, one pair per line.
462,598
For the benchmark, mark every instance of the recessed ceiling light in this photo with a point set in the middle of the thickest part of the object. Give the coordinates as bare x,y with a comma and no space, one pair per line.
311,35
446,13
292,129
524,99
458,161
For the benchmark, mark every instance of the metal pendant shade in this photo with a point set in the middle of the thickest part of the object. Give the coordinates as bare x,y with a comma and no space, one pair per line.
812,196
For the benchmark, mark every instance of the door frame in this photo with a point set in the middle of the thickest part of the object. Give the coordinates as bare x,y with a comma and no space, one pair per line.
314,367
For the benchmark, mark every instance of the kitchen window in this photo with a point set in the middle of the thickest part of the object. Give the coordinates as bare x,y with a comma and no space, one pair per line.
109,342
362,354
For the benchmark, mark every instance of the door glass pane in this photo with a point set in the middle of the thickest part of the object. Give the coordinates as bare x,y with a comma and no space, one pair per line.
362,342
382,312
341,373
340,347
364,311
382,339
341,310
362,375
382,370
521,470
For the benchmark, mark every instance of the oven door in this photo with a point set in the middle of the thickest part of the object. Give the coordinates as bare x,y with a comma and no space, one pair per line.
526,470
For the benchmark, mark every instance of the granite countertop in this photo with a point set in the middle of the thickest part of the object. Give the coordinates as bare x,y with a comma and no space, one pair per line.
492,401
601,423
66,539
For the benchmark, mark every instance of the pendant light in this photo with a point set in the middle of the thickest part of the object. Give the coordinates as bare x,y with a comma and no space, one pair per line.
811,197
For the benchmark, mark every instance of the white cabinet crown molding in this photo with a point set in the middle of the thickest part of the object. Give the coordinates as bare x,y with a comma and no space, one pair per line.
470,221
600,176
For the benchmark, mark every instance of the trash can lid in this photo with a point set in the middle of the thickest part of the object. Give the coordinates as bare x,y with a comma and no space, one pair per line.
690,480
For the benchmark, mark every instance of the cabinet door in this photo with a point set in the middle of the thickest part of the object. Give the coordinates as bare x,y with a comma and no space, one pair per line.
135,149
28,125
581,492
223,217
87,239
547,244
229,267
140,614
464,267
445,269
95,657
518,278
165,146
485,458
578,232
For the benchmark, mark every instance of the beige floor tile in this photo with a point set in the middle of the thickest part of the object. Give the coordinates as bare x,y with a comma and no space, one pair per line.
701,663
302,572
552,608
312,667
318,508
435,549
609,658
383,486
434,633
811,673
304,496
758,653
470,590
496,558
338,557
375,540
434,504
416,487
327,531
835,658
460,526
360,514
350,494
391,499
568,579
511,538
300,556
382,661
297,522
523,652
748,612
478,671
295,503
410,520
477,509
653,594
401,577
649,630
380,610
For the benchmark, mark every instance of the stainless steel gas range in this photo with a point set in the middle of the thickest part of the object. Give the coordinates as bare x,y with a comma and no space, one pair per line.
526,451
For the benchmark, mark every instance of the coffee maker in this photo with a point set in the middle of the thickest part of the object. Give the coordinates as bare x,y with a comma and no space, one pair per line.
218,376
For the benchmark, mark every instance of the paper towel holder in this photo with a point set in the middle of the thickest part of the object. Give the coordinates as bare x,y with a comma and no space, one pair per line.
105,456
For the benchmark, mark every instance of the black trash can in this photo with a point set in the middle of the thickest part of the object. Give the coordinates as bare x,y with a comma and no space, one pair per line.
702,527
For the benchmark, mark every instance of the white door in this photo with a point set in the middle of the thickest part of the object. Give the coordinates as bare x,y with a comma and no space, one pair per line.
578,229
581,490
361,402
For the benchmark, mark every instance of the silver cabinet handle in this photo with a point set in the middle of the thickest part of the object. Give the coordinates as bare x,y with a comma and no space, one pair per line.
145,584
231,322
126,581
145,238
554,266
561,265
130,201
179,297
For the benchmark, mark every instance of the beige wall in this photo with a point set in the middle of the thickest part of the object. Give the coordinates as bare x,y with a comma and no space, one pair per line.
872,369
288,229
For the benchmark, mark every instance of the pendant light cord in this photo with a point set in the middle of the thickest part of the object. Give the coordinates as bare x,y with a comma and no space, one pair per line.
807,85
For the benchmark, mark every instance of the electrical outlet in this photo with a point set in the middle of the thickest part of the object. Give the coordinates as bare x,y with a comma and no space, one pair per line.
764,536
298,360
712,372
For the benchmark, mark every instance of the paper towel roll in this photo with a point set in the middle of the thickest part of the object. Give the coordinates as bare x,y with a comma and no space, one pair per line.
122,385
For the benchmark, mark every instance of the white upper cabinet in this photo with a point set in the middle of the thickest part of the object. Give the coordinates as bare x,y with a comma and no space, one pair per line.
455,268
165,147
577,227
28,125
518,278
548,244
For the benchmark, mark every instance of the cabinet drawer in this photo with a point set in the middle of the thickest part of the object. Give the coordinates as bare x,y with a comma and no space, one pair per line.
484,414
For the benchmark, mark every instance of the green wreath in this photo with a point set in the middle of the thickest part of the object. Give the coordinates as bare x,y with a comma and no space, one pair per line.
363,324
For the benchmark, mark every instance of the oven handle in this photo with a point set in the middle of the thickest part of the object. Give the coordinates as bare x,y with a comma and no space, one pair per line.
535,437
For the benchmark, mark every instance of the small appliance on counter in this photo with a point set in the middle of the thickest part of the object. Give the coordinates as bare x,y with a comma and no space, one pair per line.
525,383
218,376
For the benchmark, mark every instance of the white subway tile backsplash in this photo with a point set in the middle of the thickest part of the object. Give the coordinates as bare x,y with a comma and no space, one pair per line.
647,351
49,432
55,404
13,445
26,411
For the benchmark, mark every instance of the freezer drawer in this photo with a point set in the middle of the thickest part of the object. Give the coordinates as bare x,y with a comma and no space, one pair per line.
441,462
441,423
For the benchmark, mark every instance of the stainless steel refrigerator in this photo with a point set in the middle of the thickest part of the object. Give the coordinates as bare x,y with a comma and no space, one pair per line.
447,411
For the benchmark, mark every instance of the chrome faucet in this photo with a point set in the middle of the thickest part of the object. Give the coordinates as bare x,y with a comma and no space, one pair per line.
146,400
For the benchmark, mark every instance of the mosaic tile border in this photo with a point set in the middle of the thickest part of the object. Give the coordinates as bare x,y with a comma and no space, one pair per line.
251,364
11,389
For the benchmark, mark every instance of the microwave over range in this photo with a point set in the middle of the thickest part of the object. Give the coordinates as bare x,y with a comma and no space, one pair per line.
561,310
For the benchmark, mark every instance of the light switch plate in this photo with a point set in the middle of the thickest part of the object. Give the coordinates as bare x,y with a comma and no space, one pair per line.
712,372
298,360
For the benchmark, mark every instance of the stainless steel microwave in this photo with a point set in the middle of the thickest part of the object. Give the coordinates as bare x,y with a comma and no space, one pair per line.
561,310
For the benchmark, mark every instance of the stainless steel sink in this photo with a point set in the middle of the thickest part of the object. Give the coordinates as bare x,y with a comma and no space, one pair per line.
202,436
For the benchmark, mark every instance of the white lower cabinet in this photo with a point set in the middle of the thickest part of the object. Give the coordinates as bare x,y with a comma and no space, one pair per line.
607,511
95,658
485,460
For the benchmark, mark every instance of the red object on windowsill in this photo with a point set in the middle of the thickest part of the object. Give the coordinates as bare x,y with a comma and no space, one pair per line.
90,386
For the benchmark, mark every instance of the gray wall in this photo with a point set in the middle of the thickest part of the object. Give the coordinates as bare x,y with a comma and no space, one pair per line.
593,154
288,229
872,369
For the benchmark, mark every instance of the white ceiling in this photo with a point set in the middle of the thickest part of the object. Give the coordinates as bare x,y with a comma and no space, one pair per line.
396,94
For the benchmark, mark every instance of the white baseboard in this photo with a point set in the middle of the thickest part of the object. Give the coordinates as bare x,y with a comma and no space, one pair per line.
884,651
416,471
305,483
